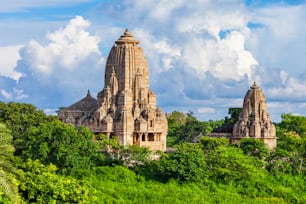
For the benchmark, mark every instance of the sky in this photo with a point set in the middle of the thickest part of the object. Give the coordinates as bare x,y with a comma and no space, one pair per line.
203,55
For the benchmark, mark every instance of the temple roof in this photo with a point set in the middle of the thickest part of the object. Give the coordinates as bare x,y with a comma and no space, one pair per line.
127,37
85,104
254,86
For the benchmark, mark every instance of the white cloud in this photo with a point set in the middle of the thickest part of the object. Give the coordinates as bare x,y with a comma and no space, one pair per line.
67,48
19,94
224,59
278,41
160,52
294,89
61,70
9,62
6,94
206,110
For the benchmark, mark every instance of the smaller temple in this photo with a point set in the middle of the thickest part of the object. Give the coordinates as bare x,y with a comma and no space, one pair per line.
78,113
254,120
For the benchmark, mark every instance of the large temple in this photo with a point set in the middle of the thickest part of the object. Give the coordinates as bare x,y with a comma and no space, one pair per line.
126,107
254,120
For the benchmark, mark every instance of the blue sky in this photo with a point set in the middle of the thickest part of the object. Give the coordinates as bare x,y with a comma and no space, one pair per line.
202,55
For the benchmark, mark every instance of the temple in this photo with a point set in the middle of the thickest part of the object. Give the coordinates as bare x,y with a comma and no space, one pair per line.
254,120
126,107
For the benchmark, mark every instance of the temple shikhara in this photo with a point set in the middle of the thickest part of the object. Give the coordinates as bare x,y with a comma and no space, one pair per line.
126,107
254,120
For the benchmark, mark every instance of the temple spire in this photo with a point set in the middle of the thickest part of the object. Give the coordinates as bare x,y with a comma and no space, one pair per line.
254,86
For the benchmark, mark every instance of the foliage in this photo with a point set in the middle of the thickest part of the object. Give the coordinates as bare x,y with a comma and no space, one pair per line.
234,115
229,121
61,144
186,127
209,143
120,185
19,118
253,147
189,130
212,171
185,164
289,155
8,184
294,123
41,184
230,164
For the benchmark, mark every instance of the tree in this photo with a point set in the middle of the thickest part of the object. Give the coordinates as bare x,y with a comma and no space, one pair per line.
253,147
19,117
230,121
187,163
294,123
289,155
191,129
7,181
230,164
40,184
234,115
209,143
61,144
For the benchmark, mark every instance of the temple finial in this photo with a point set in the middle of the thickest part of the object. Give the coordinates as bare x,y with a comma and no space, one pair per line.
88,93
127,32
254,86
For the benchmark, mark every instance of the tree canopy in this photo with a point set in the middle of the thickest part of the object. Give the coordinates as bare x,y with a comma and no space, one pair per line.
57,163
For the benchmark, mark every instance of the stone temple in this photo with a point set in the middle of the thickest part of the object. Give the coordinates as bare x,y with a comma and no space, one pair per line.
254,120
126,107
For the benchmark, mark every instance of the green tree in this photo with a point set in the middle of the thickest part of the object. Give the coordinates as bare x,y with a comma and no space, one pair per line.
253,147
41,184
289,155
61,144
294,123
175,123
234,115
19,118
187,163
209,143
191,129
230,121
8,182
230,164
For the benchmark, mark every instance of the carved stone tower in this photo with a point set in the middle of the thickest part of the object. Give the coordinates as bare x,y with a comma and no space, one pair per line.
254,120
126,107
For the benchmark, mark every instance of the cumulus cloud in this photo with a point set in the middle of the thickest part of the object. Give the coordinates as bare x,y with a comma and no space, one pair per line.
9,62
280,34
60,71
67,48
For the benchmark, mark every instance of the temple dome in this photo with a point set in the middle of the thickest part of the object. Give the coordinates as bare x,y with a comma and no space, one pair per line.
127,37
86,104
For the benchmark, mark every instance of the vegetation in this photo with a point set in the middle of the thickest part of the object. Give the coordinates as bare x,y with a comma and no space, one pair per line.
8,184
56,163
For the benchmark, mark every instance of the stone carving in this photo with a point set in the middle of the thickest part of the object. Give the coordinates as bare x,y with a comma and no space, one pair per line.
254,120
126,107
